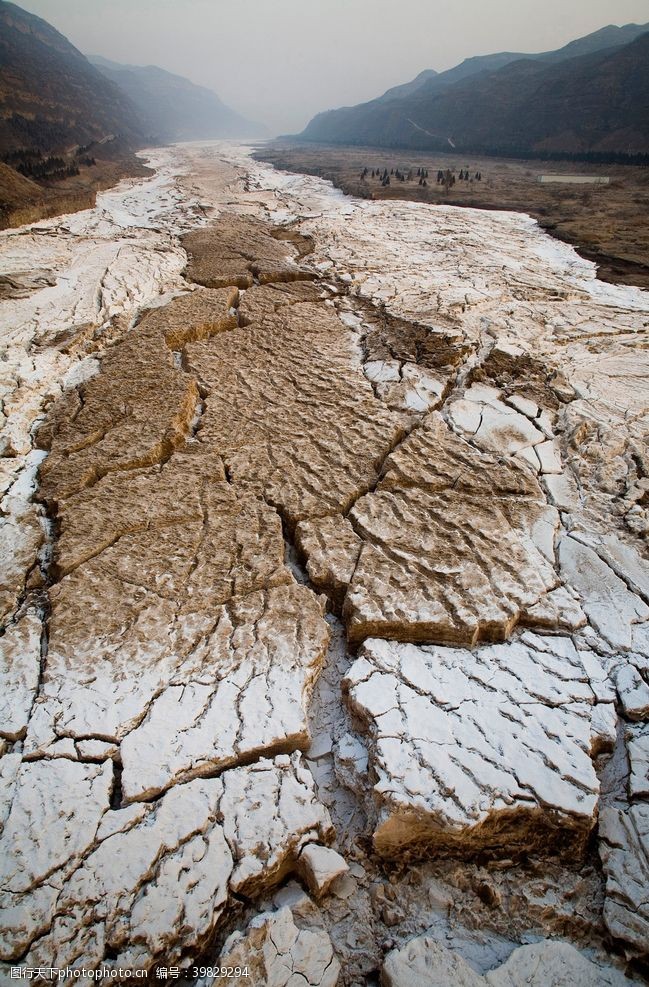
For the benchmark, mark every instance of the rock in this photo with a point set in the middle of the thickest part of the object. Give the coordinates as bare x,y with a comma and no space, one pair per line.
544,964
266,653
563,492
351,762
624,850
554,964
320,866
411,366
381,371
557,610
96,750
526,407
528,383
485,750
21,536
278,954
549,457
105,433
267,300
293,896
427,963
481,415
416,391
9,769
626,561
345,888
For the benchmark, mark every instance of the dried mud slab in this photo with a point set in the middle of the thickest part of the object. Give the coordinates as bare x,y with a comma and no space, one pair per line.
624,849
616,611
637,738
290,411
176,601
180,858
134,413
236,250
20,669
331,548
452,546
21,539
428,963
489,750
265,301
194,316
275,951
140,408
411,366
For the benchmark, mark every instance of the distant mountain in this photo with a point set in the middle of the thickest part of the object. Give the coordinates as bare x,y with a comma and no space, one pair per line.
171,108
408,88
51,97
591,95
607,37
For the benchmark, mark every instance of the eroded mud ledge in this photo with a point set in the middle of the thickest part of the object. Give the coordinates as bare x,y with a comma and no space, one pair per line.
430,423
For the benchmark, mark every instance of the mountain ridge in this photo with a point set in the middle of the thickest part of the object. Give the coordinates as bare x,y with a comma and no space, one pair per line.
51,97
435,114
171,107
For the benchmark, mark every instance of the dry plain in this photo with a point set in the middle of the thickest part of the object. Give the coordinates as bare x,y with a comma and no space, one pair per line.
606,224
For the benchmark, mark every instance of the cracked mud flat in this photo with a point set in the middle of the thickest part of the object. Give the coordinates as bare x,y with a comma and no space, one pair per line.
324,590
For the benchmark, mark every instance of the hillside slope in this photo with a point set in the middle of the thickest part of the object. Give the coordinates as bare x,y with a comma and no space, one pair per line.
557,101
51,97
171,107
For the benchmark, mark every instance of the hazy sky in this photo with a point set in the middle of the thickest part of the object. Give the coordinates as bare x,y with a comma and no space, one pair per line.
281,61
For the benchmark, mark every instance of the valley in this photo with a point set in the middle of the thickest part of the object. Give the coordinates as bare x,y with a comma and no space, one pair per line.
325,601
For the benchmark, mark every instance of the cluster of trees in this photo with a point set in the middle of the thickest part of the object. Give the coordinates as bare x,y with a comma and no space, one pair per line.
38,133
400,176
50,169
383,176
47,169
14,158
30,162
446,178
